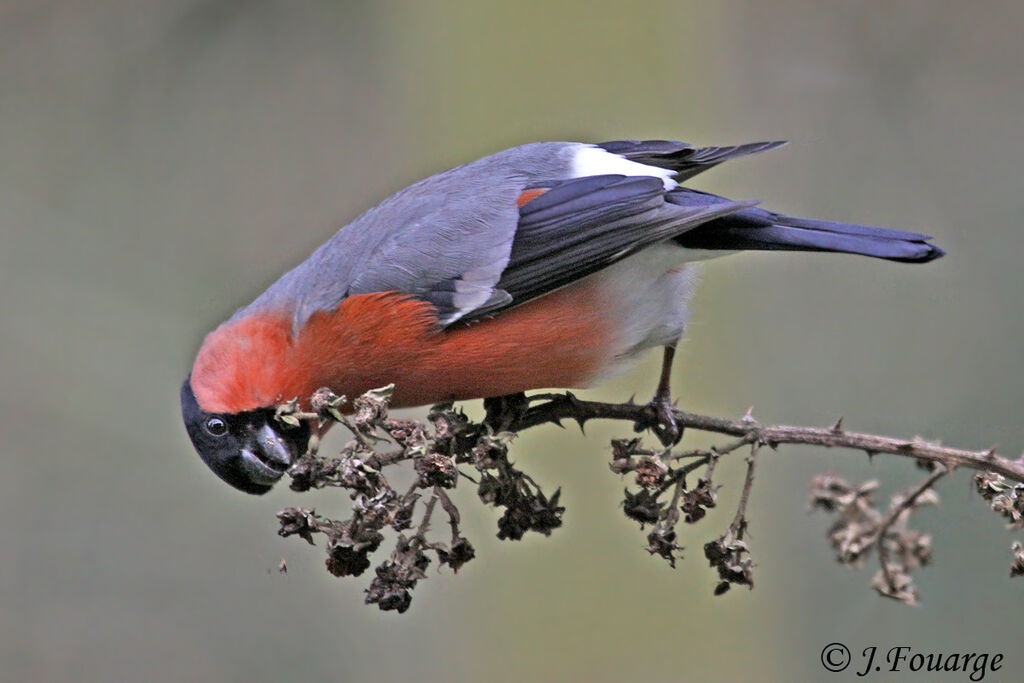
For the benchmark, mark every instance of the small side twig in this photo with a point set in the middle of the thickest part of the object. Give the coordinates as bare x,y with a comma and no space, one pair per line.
894,579
739,522
730,554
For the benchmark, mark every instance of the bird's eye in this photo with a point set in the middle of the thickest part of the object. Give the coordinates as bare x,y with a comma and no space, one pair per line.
216,426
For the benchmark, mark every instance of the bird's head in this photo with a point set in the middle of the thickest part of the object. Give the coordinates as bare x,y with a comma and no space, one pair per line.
249,450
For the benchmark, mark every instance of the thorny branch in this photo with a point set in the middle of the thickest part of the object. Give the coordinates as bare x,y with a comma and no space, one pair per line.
567,406
448,448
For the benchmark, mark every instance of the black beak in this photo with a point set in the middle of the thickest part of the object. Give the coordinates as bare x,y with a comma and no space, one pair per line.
267,455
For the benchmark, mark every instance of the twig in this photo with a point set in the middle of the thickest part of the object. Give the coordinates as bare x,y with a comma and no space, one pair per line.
715,451
730,554
905,505
739,522
421,532
449,507
678,476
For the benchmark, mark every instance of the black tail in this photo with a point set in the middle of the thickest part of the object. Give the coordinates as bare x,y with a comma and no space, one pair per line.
758,229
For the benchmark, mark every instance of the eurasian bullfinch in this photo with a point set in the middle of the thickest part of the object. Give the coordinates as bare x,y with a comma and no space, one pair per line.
547,265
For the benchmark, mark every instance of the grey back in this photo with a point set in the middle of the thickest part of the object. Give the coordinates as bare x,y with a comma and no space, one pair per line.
454,226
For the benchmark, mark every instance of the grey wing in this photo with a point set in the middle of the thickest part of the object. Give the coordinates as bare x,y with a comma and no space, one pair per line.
459,241
446,240
449,258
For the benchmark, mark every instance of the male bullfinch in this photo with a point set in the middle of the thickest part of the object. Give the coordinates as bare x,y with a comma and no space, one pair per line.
547,265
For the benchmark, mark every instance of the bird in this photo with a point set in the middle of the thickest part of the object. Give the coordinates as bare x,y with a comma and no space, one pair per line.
547,265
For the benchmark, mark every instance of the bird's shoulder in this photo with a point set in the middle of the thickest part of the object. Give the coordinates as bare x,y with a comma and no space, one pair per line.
456,224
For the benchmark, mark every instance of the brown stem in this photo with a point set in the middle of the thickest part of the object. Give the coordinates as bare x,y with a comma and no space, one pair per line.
421,532
894,514
739,522
449,507
569,407
679,474
714,452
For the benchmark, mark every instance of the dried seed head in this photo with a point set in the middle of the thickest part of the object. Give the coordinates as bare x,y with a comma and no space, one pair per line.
436,469
1017,566
371,409
461,552
899,585
642,506
731,557
299,522
650,472
662,541
696,501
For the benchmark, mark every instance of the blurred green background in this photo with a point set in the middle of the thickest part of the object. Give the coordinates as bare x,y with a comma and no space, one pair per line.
162,162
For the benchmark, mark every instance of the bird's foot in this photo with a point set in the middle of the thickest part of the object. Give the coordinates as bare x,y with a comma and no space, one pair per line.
504,411
661,420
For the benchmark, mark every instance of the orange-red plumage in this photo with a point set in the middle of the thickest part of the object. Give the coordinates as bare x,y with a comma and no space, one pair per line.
239,362
559,340
529,195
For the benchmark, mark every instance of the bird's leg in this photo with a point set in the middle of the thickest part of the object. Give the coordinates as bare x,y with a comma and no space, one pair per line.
664,423
503,411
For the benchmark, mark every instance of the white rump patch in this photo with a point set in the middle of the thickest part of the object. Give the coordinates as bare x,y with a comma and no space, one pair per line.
591,160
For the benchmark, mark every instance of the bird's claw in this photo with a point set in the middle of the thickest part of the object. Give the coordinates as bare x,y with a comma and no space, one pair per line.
662,421
504,411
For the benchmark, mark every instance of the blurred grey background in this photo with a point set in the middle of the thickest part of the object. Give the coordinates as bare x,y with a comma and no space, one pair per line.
162,162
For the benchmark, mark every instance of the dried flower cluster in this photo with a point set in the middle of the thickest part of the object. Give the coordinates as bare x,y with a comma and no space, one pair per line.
1004,497
1007,499
448,448
435,450
662,498
860,527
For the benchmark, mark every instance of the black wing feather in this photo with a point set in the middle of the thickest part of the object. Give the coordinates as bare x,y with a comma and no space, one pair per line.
583,225
686,160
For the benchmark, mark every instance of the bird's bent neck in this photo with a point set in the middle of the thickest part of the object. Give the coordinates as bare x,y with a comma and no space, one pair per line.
241,365
255,361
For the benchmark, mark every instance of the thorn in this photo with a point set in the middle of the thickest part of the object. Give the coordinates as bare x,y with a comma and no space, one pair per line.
580,421
991,453
632,400
837,427
749,415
